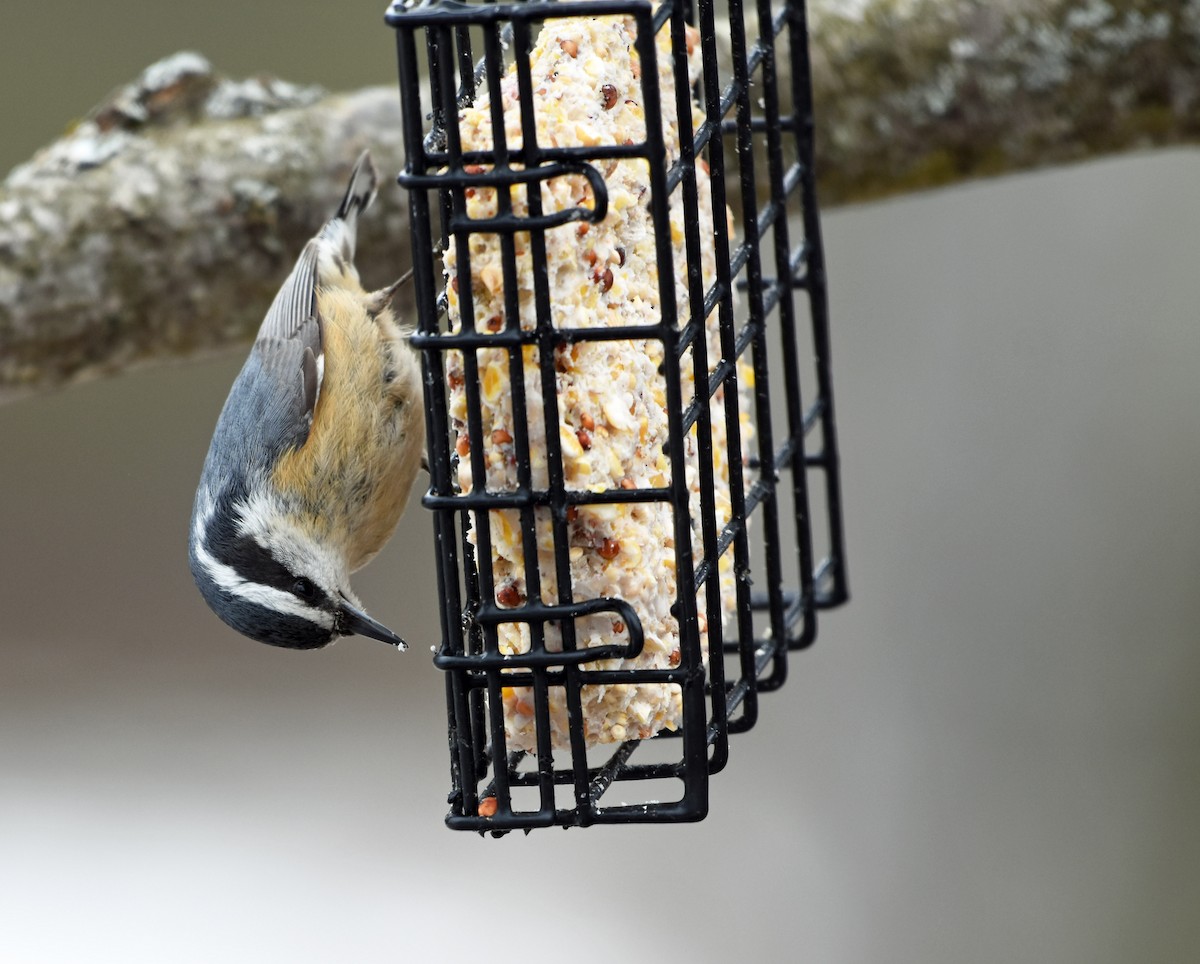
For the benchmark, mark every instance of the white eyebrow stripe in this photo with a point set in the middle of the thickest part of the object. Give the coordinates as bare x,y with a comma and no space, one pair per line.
227,578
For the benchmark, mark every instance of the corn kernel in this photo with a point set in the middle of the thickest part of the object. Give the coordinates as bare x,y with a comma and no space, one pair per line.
571,449
493,383
500,526
492,278
617,414
603,511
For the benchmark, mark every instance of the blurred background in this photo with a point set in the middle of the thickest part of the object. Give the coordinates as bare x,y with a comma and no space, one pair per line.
991,754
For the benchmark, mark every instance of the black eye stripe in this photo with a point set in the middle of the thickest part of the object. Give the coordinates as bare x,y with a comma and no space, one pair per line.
254,563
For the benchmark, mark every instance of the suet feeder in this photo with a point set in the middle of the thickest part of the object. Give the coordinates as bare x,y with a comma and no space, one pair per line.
633,463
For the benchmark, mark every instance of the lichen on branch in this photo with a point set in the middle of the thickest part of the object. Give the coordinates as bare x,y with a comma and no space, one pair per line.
913,94
160,226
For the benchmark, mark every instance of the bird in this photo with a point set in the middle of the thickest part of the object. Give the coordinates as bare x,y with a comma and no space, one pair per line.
314,452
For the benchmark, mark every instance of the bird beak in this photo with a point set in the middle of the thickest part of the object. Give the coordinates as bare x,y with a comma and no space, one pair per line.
356,621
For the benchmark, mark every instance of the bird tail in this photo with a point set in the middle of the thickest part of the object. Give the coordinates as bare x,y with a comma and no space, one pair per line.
342,229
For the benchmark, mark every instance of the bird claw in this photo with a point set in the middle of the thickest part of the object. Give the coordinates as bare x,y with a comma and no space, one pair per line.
376,301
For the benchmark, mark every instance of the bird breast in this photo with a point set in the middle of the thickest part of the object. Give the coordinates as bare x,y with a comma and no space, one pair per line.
351,479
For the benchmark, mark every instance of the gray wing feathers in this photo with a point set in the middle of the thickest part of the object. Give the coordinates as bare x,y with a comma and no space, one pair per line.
294,311
262,418
282,377
270,407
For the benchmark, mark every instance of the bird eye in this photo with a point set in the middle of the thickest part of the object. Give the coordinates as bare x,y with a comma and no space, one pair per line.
305,589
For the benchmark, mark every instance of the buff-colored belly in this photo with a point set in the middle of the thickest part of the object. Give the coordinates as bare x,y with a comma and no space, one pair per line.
352,478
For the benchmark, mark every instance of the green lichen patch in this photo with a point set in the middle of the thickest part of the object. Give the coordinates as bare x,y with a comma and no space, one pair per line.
920,93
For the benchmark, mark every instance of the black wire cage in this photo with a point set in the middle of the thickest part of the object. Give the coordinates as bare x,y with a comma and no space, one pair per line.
725,94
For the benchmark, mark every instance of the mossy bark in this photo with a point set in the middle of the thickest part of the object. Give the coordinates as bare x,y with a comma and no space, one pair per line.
912,94
161,225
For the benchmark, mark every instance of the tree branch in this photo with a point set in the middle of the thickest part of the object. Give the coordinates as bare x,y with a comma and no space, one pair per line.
919,93
159,228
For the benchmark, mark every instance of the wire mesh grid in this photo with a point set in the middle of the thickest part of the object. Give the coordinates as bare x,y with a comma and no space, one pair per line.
731,342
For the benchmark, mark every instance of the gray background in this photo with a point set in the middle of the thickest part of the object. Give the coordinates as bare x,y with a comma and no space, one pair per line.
990,755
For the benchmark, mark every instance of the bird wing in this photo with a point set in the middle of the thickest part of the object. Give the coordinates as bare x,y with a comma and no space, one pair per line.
290,356
271,405
289,343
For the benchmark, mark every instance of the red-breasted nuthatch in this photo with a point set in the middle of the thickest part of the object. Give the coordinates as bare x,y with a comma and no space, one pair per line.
314,453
